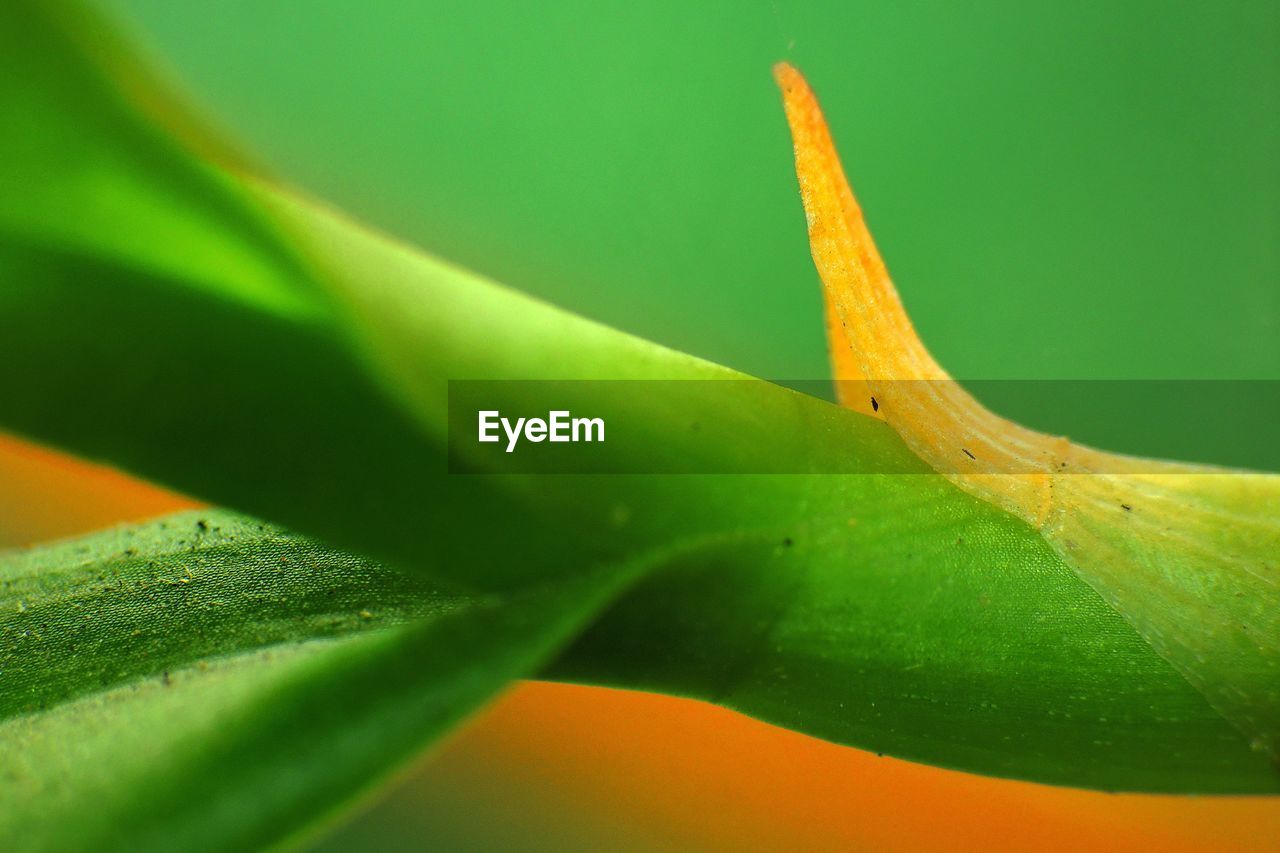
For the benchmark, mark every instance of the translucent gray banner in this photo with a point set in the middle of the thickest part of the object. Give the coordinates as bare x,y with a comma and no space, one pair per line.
758,427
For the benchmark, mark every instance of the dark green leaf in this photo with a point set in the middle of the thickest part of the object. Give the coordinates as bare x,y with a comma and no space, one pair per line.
279,682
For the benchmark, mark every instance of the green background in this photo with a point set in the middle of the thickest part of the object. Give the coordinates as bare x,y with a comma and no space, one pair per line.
1061,190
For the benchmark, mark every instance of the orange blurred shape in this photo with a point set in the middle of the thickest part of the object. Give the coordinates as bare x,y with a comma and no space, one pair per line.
47,495
721,780
717,779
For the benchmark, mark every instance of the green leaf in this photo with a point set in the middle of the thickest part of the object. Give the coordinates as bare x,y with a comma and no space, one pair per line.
216,333
82,615
273,695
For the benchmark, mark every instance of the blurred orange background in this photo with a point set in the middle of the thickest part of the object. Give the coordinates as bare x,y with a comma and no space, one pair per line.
553,766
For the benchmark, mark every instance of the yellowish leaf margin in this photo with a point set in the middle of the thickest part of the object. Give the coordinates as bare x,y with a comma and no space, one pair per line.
1188,554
